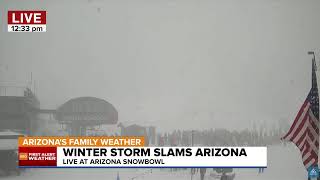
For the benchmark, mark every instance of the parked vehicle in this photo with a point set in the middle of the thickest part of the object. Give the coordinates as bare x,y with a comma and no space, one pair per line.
223,173
9,153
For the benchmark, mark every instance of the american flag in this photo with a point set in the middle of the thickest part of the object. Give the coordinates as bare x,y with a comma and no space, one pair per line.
304,132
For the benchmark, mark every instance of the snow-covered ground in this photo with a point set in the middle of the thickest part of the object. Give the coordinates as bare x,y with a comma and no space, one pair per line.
284,163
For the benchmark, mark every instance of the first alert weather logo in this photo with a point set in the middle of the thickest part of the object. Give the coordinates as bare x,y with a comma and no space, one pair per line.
37,156
128,152
23,156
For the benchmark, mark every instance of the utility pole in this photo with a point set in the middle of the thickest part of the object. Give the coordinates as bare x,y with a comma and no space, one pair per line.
313,54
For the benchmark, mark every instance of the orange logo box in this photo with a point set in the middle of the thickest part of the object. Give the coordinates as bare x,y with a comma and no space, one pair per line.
23,156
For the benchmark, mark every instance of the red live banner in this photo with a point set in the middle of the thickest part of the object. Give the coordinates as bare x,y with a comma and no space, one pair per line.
27,17
27,21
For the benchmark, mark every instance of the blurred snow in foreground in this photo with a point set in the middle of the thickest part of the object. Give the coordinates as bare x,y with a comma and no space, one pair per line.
284,163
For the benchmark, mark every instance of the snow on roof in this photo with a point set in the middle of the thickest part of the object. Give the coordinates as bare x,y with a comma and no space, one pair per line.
9,133
7,144
9,140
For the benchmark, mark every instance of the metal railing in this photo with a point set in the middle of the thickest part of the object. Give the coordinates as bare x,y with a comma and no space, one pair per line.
12,90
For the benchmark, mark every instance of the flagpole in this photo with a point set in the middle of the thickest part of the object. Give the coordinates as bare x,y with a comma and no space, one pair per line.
313,54
316,70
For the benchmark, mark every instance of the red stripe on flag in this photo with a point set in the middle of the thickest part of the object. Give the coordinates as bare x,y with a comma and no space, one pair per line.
299,127
296,119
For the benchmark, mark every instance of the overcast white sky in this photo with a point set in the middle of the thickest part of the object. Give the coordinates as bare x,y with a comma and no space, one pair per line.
176,63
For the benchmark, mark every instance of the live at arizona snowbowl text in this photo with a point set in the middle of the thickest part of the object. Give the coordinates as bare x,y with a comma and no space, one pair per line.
130,152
